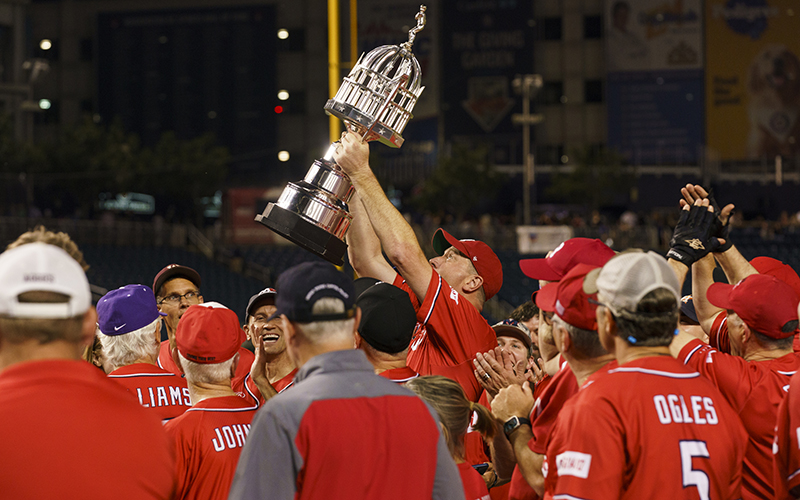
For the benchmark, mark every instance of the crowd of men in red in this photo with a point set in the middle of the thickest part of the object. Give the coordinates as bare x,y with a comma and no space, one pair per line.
609,384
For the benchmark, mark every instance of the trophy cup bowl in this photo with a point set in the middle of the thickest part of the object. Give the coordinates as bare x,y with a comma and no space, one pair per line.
375,100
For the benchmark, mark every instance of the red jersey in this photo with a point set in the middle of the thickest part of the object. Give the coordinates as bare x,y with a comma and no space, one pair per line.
476,452
545,410
519,489
754,389
399,375
650,428
557,390
254,396
163,392
208,440
449,332
69,432
246,359
474,485
786,449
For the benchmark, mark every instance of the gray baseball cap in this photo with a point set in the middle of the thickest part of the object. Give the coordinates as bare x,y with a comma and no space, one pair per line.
625,279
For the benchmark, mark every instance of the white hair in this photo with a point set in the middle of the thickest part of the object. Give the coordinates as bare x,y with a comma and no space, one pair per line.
123,350
207,373
324,331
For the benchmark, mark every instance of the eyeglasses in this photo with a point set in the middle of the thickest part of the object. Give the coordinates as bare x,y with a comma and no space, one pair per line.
548,317
175,298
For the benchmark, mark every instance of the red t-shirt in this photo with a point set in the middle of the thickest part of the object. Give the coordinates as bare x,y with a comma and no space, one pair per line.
254,396
754,389
69,432
399,375
208,439
162,391
650,428
474,485
449,332
246,359
786,449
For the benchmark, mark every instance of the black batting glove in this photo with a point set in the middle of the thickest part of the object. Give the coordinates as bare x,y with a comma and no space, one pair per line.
718,229
692,239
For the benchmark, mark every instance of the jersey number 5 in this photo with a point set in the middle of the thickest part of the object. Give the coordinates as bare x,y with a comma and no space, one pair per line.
692,477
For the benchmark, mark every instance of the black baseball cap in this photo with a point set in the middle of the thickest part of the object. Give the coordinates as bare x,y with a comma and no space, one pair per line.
175,271
387,318
301,286
362,284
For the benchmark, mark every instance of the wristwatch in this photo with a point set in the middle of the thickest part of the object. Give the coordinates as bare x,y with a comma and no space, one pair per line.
513,424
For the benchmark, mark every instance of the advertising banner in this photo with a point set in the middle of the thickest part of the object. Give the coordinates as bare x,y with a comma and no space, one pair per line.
654,55
753,78
484,45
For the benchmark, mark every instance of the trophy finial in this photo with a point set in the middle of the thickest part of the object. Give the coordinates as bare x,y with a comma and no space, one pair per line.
412,33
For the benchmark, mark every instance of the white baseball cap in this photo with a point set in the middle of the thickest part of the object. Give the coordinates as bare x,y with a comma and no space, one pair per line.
625,279
39,267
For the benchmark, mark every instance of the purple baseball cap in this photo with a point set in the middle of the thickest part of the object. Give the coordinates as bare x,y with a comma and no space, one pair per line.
127,309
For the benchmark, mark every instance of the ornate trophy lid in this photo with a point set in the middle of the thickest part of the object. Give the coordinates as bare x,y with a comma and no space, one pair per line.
377,97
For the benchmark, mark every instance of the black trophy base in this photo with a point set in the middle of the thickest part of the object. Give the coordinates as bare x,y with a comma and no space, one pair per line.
296,229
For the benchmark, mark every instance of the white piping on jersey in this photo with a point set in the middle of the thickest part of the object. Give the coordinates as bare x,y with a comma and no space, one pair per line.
793,474
404,380
158,362
648,371
724,320
224,409
686,361
433,303
143,375
258,403
786,373
566,497
289,385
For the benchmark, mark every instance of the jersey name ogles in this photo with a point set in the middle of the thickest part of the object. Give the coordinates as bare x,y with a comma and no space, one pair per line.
230,436
163,396
674,409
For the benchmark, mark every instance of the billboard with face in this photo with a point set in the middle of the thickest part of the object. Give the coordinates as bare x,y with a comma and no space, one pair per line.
753,79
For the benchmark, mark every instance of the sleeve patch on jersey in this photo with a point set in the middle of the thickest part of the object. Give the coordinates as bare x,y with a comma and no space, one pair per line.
573,463
454,295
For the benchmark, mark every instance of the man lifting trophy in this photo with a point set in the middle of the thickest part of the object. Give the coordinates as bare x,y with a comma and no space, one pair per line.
375,100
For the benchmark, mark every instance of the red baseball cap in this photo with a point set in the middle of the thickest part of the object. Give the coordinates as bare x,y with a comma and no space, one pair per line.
565,257
774,267
568,299
483,259
209,333
764,303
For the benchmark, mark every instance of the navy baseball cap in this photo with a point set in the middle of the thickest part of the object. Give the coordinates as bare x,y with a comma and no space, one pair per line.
301,286
387,318
257,299
127,309
687,308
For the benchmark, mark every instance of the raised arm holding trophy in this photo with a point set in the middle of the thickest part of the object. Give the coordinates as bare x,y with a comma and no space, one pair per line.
375,100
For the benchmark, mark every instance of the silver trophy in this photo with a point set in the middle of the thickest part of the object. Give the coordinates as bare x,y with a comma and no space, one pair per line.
375,100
